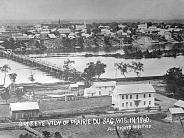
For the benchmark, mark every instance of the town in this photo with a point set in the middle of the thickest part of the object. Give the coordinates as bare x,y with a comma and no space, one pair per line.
81,94
91,69
72,37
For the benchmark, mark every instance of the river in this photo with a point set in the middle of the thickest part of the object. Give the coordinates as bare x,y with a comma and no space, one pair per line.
23,73
152,67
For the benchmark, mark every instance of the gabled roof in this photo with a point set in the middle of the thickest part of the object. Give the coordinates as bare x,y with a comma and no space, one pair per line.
103,84
74,85
176,110
134,88
179,103
23,106
80,83
51,36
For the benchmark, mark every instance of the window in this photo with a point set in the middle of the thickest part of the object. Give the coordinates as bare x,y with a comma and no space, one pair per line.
144,95
130,103
122,96
137,96
150,95
144,102
122,104
126,96
126,104
149,102
130,96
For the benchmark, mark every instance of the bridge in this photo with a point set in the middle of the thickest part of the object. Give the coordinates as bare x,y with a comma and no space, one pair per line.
52,69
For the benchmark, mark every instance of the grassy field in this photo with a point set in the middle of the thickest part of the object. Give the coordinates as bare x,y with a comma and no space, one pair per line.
158,130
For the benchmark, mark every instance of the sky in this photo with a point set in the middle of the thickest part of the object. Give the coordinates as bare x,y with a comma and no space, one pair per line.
91,9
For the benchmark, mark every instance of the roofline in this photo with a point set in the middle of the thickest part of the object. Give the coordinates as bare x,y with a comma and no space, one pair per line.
134,93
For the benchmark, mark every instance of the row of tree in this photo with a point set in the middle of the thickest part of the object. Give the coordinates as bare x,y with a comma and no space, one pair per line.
12,90
96,69
137,67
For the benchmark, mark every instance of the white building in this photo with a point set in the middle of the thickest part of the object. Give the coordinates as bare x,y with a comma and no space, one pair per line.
64,30
133,96
105,31
24,110
100,89
142,27
152,28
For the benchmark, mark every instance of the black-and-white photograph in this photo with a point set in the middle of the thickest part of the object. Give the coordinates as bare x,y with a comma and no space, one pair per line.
91,69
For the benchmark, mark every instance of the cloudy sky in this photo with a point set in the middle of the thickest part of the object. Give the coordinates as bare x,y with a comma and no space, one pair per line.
91,9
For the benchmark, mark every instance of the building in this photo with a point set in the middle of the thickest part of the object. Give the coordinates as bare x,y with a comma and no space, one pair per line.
100,89
179,103
142,26
133,96
73,87
64,30
176,113
52,36
152,28
20,37
80,27
24,110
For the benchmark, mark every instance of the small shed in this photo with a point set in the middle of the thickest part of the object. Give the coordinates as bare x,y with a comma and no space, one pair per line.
179,103
176,113
24,110
74,87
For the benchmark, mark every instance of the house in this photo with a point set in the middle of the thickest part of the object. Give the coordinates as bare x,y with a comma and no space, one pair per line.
64,30
152,28
73,87
24,110
51,36
100,89
179,103
133,96
176,113
80,27
142,27
81,84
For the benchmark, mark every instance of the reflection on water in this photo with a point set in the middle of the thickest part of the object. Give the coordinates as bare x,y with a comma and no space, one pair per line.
24,72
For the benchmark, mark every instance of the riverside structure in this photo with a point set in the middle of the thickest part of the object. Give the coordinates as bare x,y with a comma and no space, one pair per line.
42,65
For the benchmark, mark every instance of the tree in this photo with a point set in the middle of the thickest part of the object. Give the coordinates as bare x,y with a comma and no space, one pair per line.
174,82
13,77
19,93
132,133
99,68
174,74
5,68
92,70
67,68
137,67
32,79
57,135
123,67
5,95
89,72
46,134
